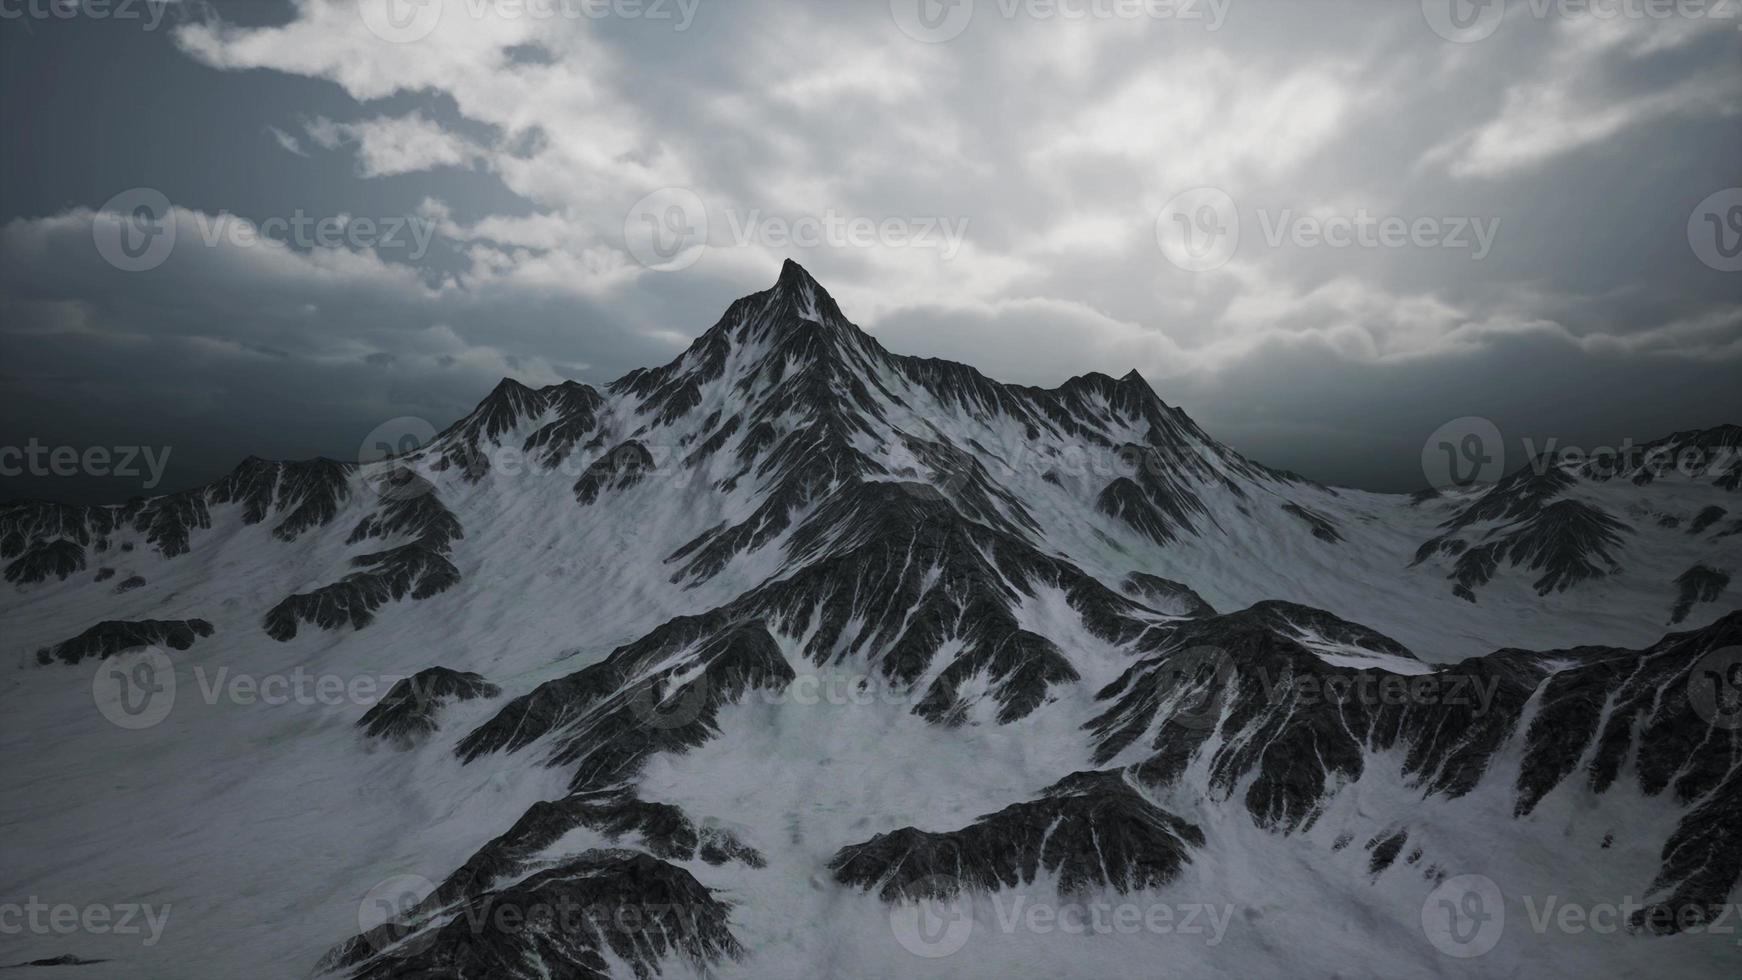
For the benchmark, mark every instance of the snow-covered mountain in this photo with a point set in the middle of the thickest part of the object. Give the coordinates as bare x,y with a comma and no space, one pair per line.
797,657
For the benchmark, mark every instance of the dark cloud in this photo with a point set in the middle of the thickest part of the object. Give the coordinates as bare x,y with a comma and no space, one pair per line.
520,146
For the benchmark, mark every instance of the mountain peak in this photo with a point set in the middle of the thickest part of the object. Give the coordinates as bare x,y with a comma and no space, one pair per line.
806,297
794,278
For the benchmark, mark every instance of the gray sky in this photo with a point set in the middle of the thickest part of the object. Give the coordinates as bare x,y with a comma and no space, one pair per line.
1522,209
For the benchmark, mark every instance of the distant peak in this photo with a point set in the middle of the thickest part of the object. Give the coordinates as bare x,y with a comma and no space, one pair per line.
509,386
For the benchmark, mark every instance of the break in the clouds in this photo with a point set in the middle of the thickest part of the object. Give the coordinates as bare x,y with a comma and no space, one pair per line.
1503,222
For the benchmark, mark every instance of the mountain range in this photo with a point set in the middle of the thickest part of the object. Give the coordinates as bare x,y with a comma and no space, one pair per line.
799,657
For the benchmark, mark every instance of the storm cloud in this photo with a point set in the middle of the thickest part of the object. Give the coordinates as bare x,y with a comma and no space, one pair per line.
1523,219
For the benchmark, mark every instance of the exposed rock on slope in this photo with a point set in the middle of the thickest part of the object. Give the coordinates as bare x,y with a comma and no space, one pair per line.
113,636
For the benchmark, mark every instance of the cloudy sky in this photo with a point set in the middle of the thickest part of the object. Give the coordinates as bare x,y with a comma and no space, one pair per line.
1322,228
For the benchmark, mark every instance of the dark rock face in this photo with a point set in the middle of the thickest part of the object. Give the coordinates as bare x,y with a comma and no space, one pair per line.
462,445
1268,715
722,846
1520,522
1567,541
308,493
619,815
894,569
1322,527
615,713
1167,596
1255,672
113,636
26,522
420,568
1697,584
407,715
1714,454
621,468
576,407
67,959
1706,518
559,922
59,558
663,828
1093,830
1160,499
305,493
1385,850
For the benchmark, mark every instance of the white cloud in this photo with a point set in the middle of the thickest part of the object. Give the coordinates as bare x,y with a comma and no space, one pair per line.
388,146
289,142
